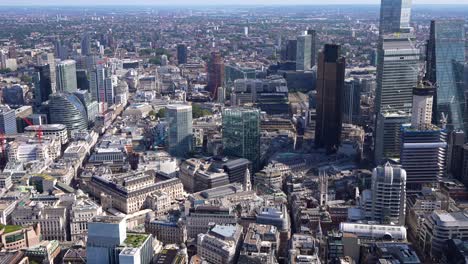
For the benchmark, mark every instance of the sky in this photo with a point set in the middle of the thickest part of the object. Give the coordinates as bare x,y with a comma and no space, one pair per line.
211,2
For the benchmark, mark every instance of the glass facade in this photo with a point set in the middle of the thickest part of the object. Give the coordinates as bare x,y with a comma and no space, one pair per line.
241,134
179,118
395,16
67,109
446,56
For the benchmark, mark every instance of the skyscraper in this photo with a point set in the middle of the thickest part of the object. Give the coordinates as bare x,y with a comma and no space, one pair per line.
101,85
445,66
397,73
85,44
395,16
42,83
424,145
304,53
179,138
388,195
67,109
66,76
388,135
455,154
313,47
48,58
330,82
351,100
241,134
291,50
215,73
182,54
61,49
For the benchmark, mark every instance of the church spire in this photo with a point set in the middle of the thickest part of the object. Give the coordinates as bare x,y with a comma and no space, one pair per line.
247,183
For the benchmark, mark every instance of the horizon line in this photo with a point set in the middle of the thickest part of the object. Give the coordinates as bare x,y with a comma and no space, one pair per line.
212,5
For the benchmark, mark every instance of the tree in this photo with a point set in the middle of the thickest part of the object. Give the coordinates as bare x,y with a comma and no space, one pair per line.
161,113
198,112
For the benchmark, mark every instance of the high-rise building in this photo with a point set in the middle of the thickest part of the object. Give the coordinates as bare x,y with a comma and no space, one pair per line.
388,135
215,74
85,44
397,72
61,49
66,76
7,120
330,82
455,154
351,100
48,58
182,54
42,83
101,84
291,50
67,109
304,53
424,145
445,68
313,47
179,118
241,134
388,195
395,16
105,233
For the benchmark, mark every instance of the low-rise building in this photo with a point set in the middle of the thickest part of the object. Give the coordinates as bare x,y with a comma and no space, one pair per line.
220,245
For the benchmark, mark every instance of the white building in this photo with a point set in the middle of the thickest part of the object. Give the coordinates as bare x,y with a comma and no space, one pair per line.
220,245
58,130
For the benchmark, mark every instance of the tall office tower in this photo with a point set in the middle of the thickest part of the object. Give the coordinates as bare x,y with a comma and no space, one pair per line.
61,49
241,134
397,73
304,53
313,47
424,145
85,44
215,73
48,58
179,138
42,83
445,66
455,153
182,54
291,50
395,16
7,120
91,106
388,195
105,233
330,82
388,135
66,76
351,100
101,85
67,109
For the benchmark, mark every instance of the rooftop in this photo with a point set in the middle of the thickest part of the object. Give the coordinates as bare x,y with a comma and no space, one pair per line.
135,240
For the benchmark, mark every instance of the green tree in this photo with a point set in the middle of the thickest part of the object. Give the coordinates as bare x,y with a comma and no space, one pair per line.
198,112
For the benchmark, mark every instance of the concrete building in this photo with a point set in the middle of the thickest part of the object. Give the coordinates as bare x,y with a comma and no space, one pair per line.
220,245
388,202
261,243
57,130
15,238
387,144
199,218
168,231
81,213
303,249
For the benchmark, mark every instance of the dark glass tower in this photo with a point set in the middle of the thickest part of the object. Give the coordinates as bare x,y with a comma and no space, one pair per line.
42,83
215,74
182,54
394,16
445,66
330,83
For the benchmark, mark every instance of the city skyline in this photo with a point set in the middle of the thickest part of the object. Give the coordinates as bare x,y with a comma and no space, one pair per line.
216,2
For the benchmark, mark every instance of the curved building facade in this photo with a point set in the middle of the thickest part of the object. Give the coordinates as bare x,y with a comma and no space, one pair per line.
67,109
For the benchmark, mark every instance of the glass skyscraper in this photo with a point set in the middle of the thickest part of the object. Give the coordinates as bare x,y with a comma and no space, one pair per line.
395,16
445,65
397,72
66,76
179,138
304,53
241,134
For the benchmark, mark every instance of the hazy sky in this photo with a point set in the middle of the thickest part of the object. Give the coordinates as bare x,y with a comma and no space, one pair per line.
209,2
